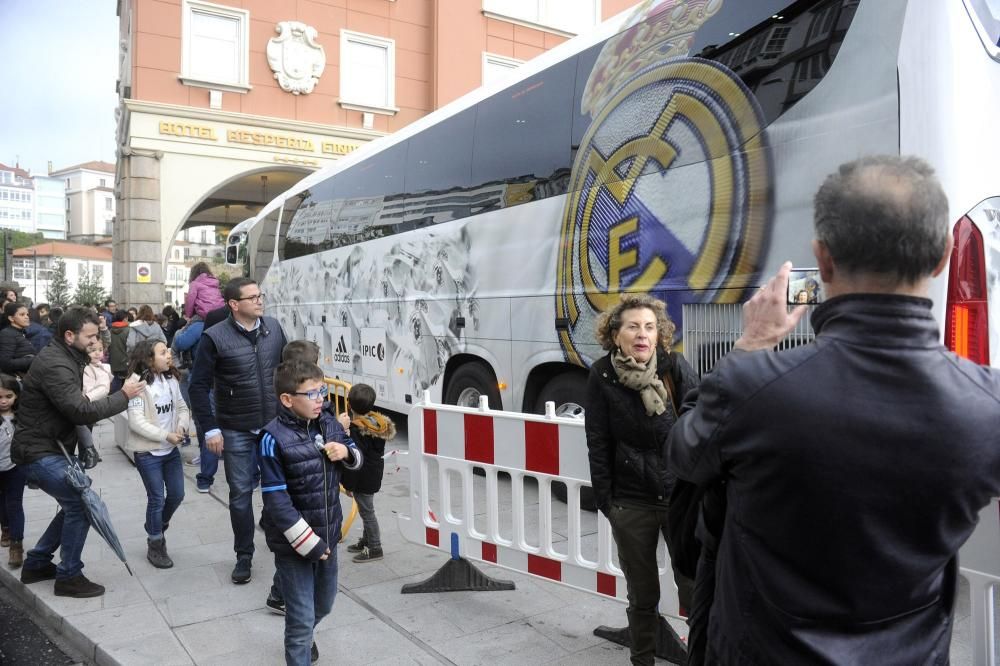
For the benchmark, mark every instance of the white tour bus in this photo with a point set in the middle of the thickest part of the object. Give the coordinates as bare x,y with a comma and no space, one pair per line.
674,151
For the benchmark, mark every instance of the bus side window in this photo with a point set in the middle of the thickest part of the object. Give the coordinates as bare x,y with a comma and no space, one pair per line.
439,171
531,113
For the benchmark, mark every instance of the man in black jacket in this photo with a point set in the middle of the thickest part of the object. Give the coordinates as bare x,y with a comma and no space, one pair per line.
855,466
51,405
238,357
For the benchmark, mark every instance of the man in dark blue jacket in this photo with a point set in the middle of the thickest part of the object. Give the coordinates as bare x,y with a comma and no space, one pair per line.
302,452
237,357
855,466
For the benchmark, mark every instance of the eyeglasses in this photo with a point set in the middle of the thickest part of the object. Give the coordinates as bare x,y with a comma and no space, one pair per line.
256,298
315,394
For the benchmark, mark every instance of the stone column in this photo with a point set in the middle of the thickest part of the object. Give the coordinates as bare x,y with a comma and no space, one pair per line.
136,237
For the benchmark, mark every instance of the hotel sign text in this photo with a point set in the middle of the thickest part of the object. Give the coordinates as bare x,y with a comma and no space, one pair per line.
265,139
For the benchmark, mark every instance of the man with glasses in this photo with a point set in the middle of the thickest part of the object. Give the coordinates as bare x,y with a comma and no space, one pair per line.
237,357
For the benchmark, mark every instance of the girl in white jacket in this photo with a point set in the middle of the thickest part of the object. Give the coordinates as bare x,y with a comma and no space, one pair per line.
158,421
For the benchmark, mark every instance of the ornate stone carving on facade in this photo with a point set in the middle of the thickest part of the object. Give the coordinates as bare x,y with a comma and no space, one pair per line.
295,57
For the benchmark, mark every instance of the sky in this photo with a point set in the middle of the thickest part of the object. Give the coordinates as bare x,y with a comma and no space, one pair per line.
58,99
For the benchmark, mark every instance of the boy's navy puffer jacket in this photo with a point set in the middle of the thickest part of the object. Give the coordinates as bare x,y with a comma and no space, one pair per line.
299,484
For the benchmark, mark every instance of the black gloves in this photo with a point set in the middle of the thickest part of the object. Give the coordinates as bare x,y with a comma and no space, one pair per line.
88,457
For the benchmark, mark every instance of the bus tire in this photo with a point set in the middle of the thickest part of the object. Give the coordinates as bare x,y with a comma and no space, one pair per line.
470,381
568,391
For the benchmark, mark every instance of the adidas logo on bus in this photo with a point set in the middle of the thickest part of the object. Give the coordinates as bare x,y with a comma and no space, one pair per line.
340,354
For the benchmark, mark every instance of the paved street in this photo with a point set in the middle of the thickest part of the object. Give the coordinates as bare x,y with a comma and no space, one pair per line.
193,614
25,639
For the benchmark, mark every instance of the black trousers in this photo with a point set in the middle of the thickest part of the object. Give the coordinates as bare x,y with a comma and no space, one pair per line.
637,532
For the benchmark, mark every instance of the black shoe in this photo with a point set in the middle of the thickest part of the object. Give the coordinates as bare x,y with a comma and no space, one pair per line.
241,572
368,555
156,553
357,547
78,587
34,575
314,653
274,604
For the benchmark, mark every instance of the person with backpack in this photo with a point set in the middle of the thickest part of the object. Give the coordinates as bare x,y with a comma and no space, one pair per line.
118,349
631,403
145,328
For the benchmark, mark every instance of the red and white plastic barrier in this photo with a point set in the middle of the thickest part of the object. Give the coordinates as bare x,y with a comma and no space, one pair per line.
980,564
448,442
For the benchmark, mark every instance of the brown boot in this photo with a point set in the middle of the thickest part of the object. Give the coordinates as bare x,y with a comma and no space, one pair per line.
4,537
16,555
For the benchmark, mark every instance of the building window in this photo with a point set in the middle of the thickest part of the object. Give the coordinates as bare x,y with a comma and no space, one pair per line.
204,235
497,68
103,183
564,16
97,273
215,46
776,44
81,270
367,72
107,203
67,183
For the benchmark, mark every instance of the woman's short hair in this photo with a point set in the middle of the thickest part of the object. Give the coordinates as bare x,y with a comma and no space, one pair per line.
146,314
610,321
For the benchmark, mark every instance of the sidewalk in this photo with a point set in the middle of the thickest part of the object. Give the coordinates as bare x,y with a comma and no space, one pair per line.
193,614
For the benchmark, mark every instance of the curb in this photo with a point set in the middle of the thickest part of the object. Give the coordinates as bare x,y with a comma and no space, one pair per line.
57,623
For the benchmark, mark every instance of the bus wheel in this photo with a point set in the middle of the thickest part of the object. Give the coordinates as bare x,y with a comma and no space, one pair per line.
471,381
468,383
567,391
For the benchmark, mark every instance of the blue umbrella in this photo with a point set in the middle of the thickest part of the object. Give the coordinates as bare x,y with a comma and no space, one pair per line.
95,508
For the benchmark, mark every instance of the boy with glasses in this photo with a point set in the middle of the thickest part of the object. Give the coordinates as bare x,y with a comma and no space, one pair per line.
303,452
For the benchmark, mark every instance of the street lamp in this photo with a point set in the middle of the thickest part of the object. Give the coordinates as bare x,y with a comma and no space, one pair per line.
34,273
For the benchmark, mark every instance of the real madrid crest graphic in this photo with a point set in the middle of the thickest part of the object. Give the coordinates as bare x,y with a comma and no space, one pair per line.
670,191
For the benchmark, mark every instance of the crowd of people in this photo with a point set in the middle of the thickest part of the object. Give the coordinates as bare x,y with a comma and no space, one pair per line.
254,399
813,500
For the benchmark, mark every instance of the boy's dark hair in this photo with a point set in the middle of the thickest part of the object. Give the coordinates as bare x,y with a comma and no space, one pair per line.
73,320
121,315
301,350
233,287
140,362
109,302
290,374
361,399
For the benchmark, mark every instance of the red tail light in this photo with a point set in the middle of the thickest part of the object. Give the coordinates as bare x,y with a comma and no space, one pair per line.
967,331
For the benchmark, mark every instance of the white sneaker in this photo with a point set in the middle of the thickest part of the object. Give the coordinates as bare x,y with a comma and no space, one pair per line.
194,461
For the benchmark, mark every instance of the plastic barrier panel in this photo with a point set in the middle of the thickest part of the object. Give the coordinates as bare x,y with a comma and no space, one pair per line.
338,390
509,517
980,564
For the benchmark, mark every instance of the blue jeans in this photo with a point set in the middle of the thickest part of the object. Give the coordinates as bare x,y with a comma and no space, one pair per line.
310,589
12,500
239,452
68,530
159,472
209,461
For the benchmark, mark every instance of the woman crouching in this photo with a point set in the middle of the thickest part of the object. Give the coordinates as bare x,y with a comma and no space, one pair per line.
158,420
632,399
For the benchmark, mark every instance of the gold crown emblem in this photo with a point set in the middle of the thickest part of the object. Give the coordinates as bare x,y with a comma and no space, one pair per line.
656,30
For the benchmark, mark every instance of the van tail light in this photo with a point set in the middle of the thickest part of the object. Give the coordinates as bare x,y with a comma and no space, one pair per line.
967,331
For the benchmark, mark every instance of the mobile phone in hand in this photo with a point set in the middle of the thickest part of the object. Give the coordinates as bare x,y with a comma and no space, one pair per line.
805,287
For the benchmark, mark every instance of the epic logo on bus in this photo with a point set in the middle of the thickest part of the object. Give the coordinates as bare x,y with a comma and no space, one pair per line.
670,189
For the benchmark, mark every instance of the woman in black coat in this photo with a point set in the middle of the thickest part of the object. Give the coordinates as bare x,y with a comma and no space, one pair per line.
632,399
16,352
